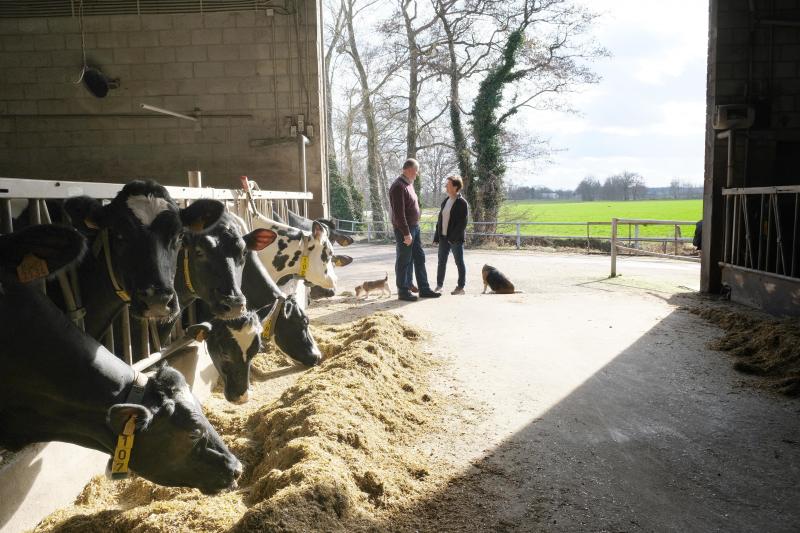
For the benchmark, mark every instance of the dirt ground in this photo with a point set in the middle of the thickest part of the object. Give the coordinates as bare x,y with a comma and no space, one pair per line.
589,404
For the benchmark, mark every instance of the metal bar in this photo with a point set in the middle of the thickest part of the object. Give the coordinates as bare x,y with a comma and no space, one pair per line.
778,238
760,230
144,345
109,338
6,220
747,235
677,236
769,231
155,338
794,234
754,271
125,323
45,189
783,189
734,231
613,247
518,237
667,256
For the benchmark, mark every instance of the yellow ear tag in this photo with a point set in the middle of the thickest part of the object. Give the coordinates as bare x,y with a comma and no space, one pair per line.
32,268
303,265
267,325
122,453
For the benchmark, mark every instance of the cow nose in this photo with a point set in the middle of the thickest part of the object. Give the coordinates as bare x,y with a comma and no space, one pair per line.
232,306
237,470
243,398
156,299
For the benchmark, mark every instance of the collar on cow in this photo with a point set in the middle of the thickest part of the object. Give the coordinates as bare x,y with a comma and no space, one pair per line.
304,258
101,243
269,322
186,276
122,453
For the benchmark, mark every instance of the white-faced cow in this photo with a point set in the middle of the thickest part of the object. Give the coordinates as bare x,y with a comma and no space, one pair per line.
134,246
308,255
60,384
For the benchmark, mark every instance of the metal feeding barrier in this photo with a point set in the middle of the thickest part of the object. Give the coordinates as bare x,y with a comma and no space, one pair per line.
33,194
761,230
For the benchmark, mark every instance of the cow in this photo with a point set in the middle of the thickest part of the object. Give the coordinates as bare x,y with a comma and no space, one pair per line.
209,268
305,224
60,384
134,244
308,255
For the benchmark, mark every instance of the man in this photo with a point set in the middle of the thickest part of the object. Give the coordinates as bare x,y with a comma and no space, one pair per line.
405,219
450,233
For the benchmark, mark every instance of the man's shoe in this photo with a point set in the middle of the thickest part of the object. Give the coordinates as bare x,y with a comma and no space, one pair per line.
427,293
458,290
407,297
414,288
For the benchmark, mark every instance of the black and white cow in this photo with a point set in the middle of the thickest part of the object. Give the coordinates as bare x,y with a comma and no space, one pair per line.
308,255
305,224
134,243
59,384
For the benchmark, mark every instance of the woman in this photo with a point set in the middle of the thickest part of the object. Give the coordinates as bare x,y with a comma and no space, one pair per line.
450,231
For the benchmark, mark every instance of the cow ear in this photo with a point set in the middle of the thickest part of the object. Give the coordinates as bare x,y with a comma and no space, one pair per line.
86,214
342,260
119,414
202,215
40,251
260,238
318,230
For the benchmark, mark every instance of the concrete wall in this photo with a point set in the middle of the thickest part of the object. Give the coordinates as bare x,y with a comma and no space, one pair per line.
754,59
224,63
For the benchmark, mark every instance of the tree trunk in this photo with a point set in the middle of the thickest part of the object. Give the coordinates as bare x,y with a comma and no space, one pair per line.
376,192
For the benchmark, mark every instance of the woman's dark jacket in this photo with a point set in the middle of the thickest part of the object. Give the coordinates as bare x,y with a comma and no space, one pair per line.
457,225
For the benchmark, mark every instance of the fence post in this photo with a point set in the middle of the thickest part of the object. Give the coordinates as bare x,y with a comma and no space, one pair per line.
369,230
613,247
677,234
518,237
636,236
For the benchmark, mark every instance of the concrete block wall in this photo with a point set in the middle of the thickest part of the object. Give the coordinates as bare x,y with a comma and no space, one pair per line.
757,63
222,63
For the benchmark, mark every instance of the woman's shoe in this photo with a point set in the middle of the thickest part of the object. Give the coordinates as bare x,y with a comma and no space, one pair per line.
458,290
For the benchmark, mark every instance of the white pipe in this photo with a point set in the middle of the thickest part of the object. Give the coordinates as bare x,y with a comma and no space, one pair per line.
167,112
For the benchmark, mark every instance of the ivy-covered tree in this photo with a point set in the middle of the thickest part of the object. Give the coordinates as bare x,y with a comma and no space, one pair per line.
346,201
542,57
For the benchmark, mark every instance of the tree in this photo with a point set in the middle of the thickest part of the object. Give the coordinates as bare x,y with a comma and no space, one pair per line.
588,189
549,61
675,188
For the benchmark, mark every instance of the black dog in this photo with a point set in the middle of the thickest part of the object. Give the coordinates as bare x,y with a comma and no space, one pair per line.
496,281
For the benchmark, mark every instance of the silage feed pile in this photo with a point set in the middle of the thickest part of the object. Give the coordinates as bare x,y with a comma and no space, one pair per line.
336,451
762,346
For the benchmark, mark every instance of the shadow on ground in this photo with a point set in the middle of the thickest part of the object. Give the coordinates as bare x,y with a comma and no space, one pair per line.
663,438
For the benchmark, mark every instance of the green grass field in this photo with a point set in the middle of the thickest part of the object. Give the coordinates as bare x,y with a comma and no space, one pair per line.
601,211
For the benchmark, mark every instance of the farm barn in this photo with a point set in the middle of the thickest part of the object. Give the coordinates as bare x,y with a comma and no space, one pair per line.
578,403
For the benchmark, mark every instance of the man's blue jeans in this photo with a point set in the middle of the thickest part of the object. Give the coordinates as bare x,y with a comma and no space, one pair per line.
408,256
458,254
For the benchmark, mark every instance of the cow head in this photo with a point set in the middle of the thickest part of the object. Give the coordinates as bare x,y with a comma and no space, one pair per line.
215,260
339,238
320,257
39,252
292,335
232,344
174,444
145,228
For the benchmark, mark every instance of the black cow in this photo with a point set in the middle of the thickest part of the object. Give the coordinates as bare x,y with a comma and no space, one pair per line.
233,344
60,384
134,243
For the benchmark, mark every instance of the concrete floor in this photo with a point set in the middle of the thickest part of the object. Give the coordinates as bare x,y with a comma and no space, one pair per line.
593,404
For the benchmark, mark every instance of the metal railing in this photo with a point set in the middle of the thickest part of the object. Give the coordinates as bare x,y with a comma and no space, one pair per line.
36,192
521,232
677,240
761,230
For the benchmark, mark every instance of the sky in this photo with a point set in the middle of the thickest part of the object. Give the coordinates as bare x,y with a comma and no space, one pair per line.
647,114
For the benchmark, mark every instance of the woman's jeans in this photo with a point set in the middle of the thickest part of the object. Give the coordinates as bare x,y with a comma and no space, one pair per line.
458,254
